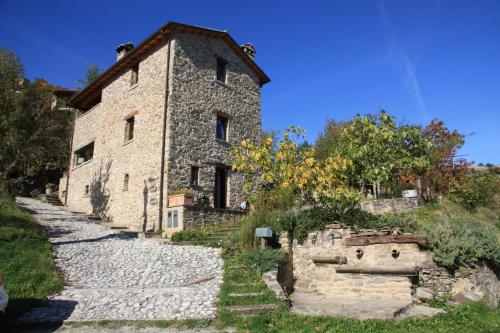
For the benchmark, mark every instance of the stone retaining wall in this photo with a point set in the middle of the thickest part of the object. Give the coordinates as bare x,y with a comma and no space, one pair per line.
189,217
324,279
195,217
396,205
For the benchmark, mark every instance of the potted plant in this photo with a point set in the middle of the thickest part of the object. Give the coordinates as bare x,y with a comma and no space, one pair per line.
49,188
181,197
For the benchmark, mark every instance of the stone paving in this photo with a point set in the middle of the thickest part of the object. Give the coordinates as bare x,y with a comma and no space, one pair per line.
111,276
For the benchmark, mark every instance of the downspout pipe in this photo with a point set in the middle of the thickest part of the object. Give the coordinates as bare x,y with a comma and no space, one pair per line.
68,170
164,136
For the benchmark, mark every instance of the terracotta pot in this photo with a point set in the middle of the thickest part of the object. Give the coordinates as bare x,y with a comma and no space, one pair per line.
49,190
180,200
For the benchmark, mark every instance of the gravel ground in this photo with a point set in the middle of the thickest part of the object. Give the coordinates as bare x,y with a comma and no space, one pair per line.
110,276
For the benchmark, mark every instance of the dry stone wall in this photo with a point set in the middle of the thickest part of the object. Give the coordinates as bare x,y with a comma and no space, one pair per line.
396,205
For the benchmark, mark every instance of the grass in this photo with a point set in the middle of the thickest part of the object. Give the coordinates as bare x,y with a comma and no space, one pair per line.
25,260
413,221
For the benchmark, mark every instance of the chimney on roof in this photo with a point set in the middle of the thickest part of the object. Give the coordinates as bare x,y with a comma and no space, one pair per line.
248,49
123,49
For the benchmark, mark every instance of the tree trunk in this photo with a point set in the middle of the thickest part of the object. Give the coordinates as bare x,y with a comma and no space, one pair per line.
419,186
374,190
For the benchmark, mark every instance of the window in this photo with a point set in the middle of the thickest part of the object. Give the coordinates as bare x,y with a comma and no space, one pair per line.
125,182
195,171
87,190
135,75
173,219
84,154
221,70
221,128
129,129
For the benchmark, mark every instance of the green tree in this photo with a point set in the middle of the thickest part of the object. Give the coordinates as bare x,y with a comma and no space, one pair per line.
34,136
91,74
329,142
373,145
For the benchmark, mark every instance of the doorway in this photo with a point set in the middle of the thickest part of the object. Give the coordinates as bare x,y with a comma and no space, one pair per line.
220,193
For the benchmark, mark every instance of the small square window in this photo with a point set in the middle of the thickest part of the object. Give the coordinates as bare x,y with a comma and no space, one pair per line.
221,128
135,75
87,190
195,171
125,182
129,129
221,70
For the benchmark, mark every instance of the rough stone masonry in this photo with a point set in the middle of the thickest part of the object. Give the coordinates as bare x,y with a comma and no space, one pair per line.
174,90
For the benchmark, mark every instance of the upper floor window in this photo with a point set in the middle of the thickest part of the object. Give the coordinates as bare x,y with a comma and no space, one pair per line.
125,182
129,128
135,75
221,128
84,154
221,70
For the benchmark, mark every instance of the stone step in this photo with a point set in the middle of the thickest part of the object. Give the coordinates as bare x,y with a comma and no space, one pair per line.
252,294
251,309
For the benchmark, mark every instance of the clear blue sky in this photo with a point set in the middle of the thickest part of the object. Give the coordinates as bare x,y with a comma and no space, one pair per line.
418,60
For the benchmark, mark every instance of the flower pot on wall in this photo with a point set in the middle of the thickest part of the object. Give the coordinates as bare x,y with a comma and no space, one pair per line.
180,200
49,191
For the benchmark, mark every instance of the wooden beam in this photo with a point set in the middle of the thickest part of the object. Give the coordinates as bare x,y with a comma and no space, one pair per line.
368,240
401,270
328,260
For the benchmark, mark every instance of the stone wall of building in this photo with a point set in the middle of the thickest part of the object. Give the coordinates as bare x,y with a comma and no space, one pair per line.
113,157
396,205
323,278
195,217
197,97
189,217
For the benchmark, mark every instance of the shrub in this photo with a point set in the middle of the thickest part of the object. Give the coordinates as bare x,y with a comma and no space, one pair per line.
263,260
458,242
189,235
256,219
476,190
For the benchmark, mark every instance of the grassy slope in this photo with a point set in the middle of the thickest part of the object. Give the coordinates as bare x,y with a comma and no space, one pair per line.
451,210
25,259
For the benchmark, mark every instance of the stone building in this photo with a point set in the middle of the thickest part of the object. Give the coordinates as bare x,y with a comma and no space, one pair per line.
162,118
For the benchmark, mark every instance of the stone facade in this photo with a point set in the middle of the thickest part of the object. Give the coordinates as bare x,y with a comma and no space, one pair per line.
396,205
323,278
190,217
194,100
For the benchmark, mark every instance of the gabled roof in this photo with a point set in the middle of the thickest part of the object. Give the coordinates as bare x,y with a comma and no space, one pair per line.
166,31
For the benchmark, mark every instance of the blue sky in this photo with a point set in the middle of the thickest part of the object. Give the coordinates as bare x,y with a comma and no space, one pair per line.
418,60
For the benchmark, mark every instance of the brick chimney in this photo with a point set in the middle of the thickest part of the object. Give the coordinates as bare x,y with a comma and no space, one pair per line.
123,49
248,49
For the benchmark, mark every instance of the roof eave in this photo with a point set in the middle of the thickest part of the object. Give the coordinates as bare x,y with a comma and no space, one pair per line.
166,31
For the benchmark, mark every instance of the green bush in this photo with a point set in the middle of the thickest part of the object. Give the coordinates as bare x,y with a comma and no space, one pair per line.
189,235
263,260
457,242
476,190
